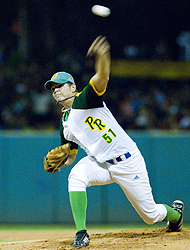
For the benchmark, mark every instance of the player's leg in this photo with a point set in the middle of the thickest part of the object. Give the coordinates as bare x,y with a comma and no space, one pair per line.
86,172
132,176
142,200
175,221
78,202
138,192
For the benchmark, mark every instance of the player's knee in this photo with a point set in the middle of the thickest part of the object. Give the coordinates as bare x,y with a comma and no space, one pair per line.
151,217
155,215
149,220
76,184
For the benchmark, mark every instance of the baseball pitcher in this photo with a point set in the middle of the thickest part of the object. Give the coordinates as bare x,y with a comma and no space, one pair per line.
112,156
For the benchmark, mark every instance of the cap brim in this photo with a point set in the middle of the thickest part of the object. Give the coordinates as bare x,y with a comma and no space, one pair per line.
48,84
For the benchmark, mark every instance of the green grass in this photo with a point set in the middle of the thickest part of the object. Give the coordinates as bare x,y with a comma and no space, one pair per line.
62,227
8,227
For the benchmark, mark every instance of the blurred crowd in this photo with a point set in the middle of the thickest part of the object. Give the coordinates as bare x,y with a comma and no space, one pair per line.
136,103
25,104
150,104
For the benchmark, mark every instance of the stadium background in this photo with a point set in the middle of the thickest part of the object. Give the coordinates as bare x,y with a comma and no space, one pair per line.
55,35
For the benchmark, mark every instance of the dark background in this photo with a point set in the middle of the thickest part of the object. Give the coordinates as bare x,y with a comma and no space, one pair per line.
55,25
41,37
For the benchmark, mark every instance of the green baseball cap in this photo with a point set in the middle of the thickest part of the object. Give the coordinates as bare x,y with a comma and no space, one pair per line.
59,77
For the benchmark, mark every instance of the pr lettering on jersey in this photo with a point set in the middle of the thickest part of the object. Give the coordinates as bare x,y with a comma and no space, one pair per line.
95,122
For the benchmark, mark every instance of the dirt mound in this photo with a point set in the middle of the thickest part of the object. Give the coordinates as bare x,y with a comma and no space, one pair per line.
149,239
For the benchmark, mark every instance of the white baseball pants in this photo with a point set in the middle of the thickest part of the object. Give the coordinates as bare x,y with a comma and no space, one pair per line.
130,174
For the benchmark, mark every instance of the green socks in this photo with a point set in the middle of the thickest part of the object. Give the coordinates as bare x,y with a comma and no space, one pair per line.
172,215
78,201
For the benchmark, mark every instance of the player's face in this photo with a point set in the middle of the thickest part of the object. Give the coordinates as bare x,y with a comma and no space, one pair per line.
61,91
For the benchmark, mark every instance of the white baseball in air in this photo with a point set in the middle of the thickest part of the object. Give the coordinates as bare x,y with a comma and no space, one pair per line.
100,10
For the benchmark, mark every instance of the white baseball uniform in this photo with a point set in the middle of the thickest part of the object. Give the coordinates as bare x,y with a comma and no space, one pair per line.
112,155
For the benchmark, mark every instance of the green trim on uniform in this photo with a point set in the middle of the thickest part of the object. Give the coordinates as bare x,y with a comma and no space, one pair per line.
88,99
63,140
66,115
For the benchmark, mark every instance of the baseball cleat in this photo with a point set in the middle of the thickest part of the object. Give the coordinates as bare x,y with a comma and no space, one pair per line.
82,239
175,227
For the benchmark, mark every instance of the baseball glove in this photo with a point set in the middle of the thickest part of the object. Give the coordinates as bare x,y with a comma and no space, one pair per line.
56,157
